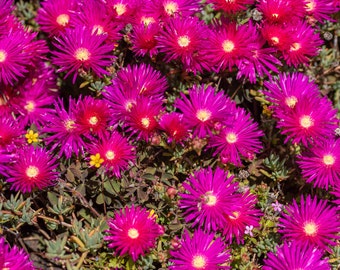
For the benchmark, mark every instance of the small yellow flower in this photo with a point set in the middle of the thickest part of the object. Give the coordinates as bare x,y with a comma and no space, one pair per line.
31,136
152,214
96,160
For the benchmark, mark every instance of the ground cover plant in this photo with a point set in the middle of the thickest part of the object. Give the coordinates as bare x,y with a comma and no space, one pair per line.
169,134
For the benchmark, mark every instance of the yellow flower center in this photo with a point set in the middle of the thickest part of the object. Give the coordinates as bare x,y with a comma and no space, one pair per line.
234,215
96,160
32,171
199,262
31,136
275,15
275,40
210,199
145,122
69,125
183,41
120,9
110,155
291,101
310,229
231,137
63,19
30,106
93,120
295,46
3,56
228,46
98,29
306,121
82,54
171,8
328,160
128,106
203,115
147,20
310,5
133,233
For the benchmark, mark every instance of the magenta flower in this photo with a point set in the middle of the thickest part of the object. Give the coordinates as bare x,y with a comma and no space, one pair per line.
203,109
185,39
122,11
11,134
133,231
304,44
172,124
200,251
14,258
32,168
321,164
288,90
277,36
209,197
320,10
55,16
144,40
13,57
230,44
312,223
239,137
244,214
143,117
294,256
231,7
116,152
64,133
80,49
92,116
173,8
313,119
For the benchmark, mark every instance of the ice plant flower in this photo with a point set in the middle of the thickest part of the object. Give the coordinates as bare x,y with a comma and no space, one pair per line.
313,119
31,136
172,124
200,251
312,223
244,214
185,39
239,137
55,16
10,134
320,10
203,109
173,8
321,164
231,6
13,258
292,255
114,152
209,196
32,168
63,131
132,231
144,40
79,49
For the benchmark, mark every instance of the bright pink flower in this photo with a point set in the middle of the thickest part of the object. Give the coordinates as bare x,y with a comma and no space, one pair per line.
32,168
231,6
320,10
133,231
174,8
144,40
172,124
312,223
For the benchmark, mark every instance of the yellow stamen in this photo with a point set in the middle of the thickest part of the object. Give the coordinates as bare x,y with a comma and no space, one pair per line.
133,233
30,106
171,8
69,125
310,5
93,120
295,47
3,56
210,199
96,160
228,46
203,115
97,29
147,20
275,40
328,160
31,136
82,54
291,101
32,171
120,9
235,215
183,41
110,155
63,19
199,262
145,122
231,137
275,15
306,121
310,229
